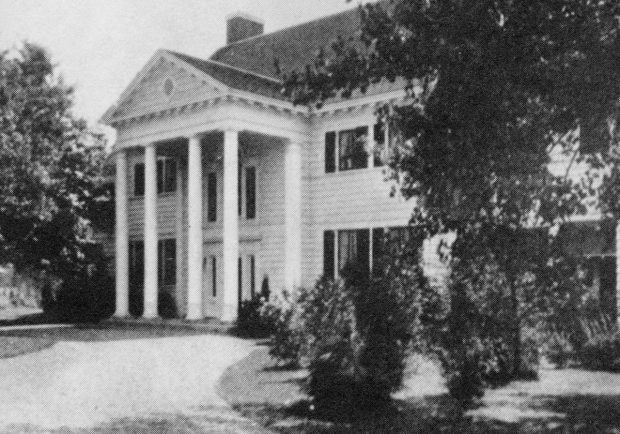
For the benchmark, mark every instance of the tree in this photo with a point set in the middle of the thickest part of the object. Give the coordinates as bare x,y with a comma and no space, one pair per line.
494,86
50,168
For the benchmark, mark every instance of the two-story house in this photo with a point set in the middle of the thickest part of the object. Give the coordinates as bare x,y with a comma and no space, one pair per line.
223,184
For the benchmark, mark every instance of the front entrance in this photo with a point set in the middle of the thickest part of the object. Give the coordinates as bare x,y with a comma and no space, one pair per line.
213,282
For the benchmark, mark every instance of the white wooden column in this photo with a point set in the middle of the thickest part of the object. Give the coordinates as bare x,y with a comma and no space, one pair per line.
194,240
231,225
292,217
150,232
122,236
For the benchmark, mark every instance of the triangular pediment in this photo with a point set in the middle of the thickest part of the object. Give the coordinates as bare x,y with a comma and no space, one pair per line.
164,83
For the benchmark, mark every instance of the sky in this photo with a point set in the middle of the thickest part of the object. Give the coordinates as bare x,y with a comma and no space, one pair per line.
100,45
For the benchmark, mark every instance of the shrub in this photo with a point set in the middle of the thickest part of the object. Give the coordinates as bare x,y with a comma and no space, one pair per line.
601,350
559,350
83,291
253,320
357,333
285,340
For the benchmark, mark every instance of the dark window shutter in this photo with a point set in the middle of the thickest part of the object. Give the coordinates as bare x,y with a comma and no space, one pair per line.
212,197
328,254
363,249
250,192
138,179
379,139
160,176
330,152
378,242
214,276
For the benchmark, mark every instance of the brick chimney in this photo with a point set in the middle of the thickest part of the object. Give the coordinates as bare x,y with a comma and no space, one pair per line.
240,26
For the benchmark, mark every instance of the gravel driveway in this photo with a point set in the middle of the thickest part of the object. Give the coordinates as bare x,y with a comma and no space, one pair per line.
165,385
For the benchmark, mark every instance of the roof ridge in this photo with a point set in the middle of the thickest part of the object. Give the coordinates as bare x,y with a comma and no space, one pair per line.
262,35
226,65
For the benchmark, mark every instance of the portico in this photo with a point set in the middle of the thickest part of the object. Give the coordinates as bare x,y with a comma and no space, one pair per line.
197,153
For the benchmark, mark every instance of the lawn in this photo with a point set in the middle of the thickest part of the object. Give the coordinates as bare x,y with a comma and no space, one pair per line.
563,401
11,346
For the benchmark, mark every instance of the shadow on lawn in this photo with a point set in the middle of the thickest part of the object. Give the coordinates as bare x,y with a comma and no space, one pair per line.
582,414
203,420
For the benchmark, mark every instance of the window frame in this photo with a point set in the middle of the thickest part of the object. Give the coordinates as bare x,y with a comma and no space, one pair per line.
375,148
166,265
166,177
212,197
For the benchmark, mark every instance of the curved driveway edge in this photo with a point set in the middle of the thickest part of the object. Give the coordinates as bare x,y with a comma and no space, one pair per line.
78,385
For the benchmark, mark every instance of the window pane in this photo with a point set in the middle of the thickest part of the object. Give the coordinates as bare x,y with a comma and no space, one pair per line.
138,179
352,149
170,264
170,180
347,249
328,254
250,192
330,152
212,197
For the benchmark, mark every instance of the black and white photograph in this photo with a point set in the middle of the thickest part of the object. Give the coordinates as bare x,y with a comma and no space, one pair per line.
309,216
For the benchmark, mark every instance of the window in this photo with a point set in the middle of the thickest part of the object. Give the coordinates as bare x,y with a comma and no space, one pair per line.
353,249
167,264
213,276
252,261
364,248
328,254
212,197
250,193
136,263
138,179
352,149
166,175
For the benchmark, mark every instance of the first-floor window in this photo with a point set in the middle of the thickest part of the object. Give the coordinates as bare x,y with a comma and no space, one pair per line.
365,249
252,260
136,262
167,263
213,276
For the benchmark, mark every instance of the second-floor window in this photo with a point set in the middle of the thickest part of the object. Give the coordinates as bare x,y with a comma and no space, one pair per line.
166,177
212,197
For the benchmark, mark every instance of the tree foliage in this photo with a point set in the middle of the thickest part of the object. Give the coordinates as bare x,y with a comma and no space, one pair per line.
493,87
50,168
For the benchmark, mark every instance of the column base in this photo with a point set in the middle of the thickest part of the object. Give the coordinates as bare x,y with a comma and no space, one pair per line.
122,315
194,312
150,312
229,312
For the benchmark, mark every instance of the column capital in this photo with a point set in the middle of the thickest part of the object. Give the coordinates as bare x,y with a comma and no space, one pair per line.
196,136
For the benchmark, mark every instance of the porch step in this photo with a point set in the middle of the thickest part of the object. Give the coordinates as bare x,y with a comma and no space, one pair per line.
207,325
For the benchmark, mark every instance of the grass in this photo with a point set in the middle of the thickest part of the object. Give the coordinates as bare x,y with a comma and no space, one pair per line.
563,401
11,346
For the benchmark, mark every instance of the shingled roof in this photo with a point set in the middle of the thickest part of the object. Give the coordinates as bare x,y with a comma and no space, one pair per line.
235,77
293,47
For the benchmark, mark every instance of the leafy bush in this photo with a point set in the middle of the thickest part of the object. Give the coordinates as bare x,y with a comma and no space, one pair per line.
285,341
559,350
357,334
601,350
84,291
